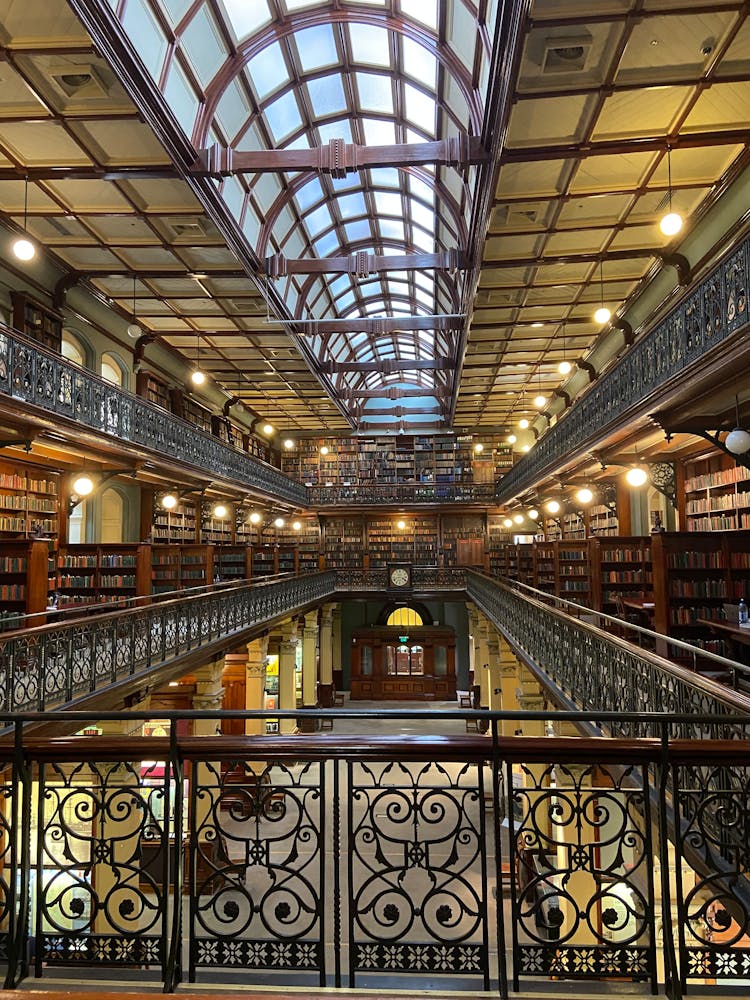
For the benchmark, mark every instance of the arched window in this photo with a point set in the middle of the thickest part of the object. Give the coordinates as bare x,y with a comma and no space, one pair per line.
72,348
77,524
405,616
111,369
113,509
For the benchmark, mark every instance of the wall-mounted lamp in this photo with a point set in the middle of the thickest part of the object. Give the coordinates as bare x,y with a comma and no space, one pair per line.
512,439
23,248
737,441
324,450
169,501
401,525
83,485
523,424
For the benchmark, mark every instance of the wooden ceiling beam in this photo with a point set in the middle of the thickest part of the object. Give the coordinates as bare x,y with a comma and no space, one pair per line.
620,147
362,264
388,365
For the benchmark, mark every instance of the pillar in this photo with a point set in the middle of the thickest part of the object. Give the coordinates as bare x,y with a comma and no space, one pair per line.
473,619
508,670
309,660
208,697
494,689
287,677
255,683
482,661
325,694
338,652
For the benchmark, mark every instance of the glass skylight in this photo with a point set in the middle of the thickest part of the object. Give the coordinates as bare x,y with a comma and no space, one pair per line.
327,95
283,116
370,45
245,18
389,204
316,47
420,108
267,70
351,205
375,92
378,133
309,194
318,220
419,63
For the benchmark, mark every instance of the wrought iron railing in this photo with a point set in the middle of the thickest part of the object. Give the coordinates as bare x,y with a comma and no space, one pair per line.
441,862
714,310
422,578
30,373
595,670
414,493
57,664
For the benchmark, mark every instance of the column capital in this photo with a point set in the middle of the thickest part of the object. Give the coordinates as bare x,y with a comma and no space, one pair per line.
209,702
531,701
311,620
508,669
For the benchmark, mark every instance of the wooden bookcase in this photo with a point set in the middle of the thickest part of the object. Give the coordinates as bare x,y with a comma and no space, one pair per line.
37,321
233,562
165,568
545,567
175,527
23,580
573,570
189,409
196,565
28,501
621,568
217,530
717,495
344,543
103,574
150,387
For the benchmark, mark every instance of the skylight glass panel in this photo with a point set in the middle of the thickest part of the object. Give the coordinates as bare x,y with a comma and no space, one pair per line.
420,107
309,194
327,245
390,229
370,45
351,205
245,18
327,95
346,300
267,71
339,284
204,46
292,5
300,141
378,133
424,297
419,63
424,11
358,231
375,92
283,116
388,203
340,129
318,220
232,110
422,280
420,189
316,47
422,240
384,177
422,215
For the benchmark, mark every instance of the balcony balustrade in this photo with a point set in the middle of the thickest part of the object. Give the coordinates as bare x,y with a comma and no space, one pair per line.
36,376
450,862
714,310
402,493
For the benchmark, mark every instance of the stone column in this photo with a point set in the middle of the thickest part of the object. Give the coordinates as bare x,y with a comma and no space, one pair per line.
309,660
338,652
473,619
325,685
255,683
508,670
287,678
494,688
208,697
482,662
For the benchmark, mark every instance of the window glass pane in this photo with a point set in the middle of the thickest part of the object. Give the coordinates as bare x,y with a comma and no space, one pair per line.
391,229
419,63
422,216
316,47
370,45
351,205
283,116
267,70
327,95
232,110
420,108
388,203
384,177
309,194
318,220
340,129
181,98
203,44
245,18
356,231
422,190
375,92
327,245
141,25
378,133
424,11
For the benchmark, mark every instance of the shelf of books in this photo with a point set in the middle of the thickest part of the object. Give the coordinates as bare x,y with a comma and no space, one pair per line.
603,520
233,562
344,542
102,574
217,530
165,568
268,560
23,581
525,563
174,527
196,565
545,569
463,539
28,501
621,568
717,496
574,571
37,321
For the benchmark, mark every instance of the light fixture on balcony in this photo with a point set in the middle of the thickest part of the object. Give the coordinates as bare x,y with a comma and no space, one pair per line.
737,441
602,314
512,439
636,475
518,518
279,522
523,424
479,448
220,511
198,377
401,525
324,450
255,518
169,501
525,447
671,223
23,248
288,444
552,507
584,495
134,329
507,523
268,429
83,485
533,514
297,525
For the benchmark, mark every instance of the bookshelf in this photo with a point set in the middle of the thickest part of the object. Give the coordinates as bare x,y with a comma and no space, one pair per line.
270,559
621,567
150,387
573,570
196,565
717,495
345,543
174,527
463,539
165,568
545,570
102,574
37,321
603,520
189,409
525,563
28,501
217,530
233,562
23,580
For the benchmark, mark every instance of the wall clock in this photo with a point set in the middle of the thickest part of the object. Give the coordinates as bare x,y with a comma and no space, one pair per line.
399,576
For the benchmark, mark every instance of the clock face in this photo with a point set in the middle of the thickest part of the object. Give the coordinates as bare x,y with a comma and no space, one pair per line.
399,577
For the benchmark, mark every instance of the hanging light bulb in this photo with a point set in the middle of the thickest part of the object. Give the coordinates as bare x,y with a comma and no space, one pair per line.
565,367
83,485
636,476
526,447
478,448
552,507
602,314
288,444
220,511
533,514
737,441
268,429
197,377
279,522
671,223
297,525
584,495
254,518
512,439
518,518
169,501
507,523
539,401
133,329
23,248
523,424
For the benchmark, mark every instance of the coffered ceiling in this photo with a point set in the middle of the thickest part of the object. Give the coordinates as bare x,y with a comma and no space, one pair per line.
577,111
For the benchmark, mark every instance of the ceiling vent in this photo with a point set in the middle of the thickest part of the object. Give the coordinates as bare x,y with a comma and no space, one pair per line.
190,227
59,227
78,80
515,216
566,55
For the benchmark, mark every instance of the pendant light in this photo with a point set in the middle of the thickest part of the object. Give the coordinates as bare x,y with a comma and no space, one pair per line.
671,223
134,330
602,314
540,399
23,248
636,474
565,367
737,442
198,377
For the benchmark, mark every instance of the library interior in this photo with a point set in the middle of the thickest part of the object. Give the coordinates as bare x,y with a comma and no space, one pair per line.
375,496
